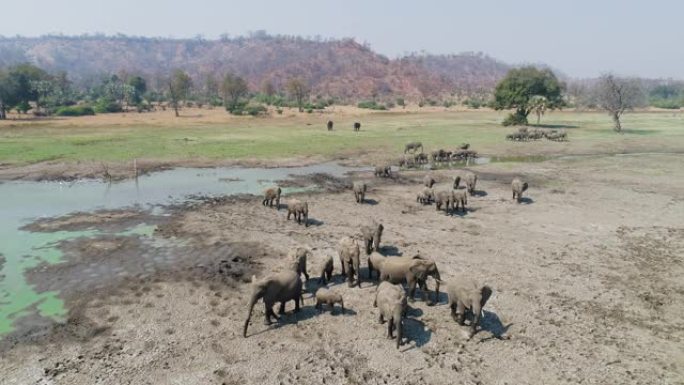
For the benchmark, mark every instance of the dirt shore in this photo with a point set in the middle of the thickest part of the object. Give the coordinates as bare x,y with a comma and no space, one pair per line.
586,275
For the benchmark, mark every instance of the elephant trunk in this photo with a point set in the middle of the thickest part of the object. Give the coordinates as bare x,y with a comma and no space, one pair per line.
252,302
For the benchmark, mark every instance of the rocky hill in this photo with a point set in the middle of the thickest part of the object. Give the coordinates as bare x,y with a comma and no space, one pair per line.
340,68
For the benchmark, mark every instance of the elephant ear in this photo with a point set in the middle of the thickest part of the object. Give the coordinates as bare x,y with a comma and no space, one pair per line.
486,293
419,270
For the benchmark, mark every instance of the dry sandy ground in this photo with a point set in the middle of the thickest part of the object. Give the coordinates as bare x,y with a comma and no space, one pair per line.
587,278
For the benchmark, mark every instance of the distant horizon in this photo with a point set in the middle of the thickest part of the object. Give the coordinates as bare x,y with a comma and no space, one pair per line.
582,39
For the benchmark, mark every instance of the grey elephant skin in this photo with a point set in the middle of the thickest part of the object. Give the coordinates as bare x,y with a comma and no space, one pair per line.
371,235
328,297
359,191
467,296
470,182
518,187
349,253
297,259
391,303
300,211
412,270
271,195
280,287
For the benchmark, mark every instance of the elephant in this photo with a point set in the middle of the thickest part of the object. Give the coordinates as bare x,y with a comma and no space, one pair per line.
457,182
328,297
357,126
412,270
464,146
359,191
375,260
436,155
458,197
467,295
442,198
425,196
518,187
391,302
297,259
371,236
349,253
470,182
413,147
299,209
326,271
330,125
428,181
281,287
384,171
272,194
421,158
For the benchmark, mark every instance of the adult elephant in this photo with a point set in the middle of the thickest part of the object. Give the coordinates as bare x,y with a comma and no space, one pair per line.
330,125
280,287
413,147
412,270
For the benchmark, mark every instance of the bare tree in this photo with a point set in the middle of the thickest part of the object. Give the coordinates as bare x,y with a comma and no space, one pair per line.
299,90
617,95
179,87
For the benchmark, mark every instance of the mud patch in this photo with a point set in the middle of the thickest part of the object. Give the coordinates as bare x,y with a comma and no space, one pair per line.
104,220
323,181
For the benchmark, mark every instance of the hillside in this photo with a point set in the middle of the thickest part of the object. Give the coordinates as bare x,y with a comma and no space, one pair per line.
340,68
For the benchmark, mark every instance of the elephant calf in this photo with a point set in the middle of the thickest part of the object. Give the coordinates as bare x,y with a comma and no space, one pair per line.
280,287
272,194
371,236
383,171
428,181
328,297
349,253
470,182
467,296
391,302
326,271
359,191
518,187
297,259
443,198
425,196
300,210
458,198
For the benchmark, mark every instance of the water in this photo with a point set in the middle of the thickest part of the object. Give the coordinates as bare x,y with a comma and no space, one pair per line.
23,202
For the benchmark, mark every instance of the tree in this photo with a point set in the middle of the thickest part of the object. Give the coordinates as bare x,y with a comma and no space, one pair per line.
179,87
520,85
617,95
139,86
267,87
538,106
233,88
298,90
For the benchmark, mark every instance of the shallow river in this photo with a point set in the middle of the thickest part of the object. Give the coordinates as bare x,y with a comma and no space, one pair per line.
23,202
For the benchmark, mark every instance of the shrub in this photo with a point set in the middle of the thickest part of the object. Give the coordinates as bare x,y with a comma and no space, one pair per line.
309,110
75,111
672,104
432,102
372,105
279,111
421,103
448,103
515,120
389,105
401,102
104,105
255,109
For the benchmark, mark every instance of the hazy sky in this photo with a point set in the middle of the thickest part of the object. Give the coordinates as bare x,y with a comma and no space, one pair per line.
579,37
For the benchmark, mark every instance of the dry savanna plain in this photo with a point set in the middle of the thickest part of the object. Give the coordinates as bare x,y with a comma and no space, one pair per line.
586,270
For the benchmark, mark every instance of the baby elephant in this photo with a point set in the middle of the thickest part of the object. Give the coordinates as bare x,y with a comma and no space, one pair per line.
459,197
467,296
371,236
350,260
330,298
360,191
272,194
391,301
429,181
470,182
519,188
425,196
297,260
326,271
383,171
443,198
300,210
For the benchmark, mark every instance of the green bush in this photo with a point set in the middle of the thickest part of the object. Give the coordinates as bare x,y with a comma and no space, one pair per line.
255,109
672,104
401,102
515,120
75,111
432,102
448,103
372,105
104,105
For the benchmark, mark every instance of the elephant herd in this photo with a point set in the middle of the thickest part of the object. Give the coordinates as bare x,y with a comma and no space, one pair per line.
466,297
330,124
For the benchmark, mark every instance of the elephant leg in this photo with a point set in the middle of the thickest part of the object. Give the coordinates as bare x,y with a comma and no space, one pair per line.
288,214
306,275
357,271
425,290
268,312
412,290
344,267
390,328
453,312
318,306
282,308
460,312
297,309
